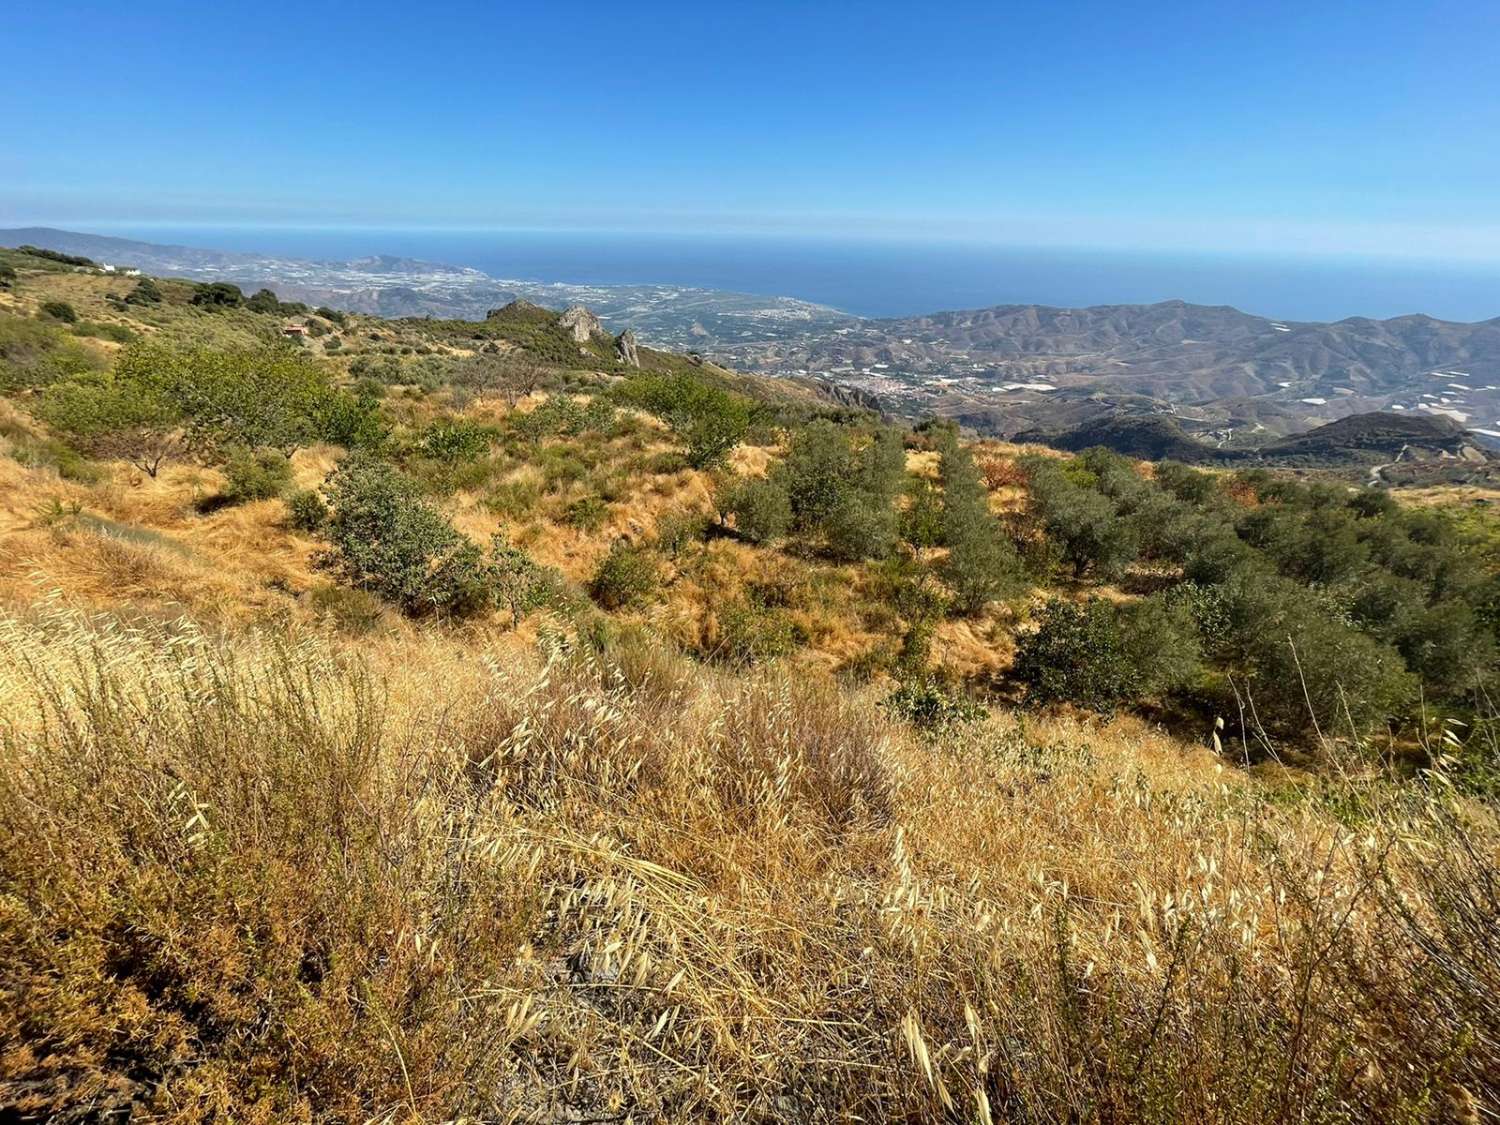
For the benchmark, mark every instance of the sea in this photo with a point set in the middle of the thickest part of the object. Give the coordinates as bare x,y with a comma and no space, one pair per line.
888,278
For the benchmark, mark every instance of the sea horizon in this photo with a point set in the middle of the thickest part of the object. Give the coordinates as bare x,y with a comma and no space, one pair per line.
880,277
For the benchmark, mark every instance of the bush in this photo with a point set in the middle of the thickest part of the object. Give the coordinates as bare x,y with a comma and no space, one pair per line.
627,576
307,510
982,564
1100,655
388,540
752,634
272,396
217,294
146,292
587,513
762,511
455,440
60,310
931,706
1301,664
708,420
263,301
1083,523
259,474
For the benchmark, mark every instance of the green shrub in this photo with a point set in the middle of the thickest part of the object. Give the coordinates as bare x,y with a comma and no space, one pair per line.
60,310
258,474
263,301
625,577
708,420
752,634
218,294
762,511
587,513
146,292
36,353
982,564
307,510
1100,655
388,540
455,440
932,706
116,332
676,530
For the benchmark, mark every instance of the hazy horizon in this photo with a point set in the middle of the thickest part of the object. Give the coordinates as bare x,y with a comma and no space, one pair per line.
1281,131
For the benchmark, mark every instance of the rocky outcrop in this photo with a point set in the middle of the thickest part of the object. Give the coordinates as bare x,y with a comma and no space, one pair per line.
580,324
625,349
519,307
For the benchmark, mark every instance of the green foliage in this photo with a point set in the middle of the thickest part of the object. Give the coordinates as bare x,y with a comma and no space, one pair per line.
255,474
60,310
455,440
116,332
761,508
1100,655
932,706
7,277
587,513
1090,537
708,420
146,292
982,564
388,540
263,301
36,353
1299,663
307,510
750,634
627,576
115,416
517,582
58,256
218,295
272,396
840,486
677,530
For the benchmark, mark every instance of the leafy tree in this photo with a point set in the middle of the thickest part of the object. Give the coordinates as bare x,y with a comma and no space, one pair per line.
518,583
115,416
1301,664
263,301
1081,521
218,294
982,564
273,397
708,420
840,486
1100,655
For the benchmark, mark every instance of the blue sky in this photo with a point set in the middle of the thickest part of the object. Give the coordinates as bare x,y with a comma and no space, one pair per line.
1327,127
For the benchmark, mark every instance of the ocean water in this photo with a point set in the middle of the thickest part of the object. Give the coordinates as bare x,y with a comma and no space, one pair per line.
891,278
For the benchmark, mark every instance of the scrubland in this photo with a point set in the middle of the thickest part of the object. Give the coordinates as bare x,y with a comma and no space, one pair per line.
989,785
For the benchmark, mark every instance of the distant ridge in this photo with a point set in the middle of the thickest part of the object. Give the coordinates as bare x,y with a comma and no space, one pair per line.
1357,439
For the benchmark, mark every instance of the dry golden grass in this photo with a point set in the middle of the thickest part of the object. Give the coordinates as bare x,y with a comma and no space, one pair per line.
271,879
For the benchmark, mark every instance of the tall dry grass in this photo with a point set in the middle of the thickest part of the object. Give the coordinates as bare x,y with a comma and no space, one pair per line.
269,878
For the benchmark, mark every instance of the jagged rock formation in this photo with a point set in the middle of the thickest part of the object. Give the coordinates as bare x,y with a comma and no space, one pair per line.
626,350
581,324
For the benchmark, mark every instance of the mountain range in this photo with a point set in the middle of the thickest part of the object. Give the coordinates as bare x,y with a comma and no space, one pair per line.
1229,379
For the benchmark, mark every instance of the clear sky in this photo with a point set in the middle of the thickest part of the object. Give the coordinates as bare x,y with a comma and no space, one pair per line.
1314,127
